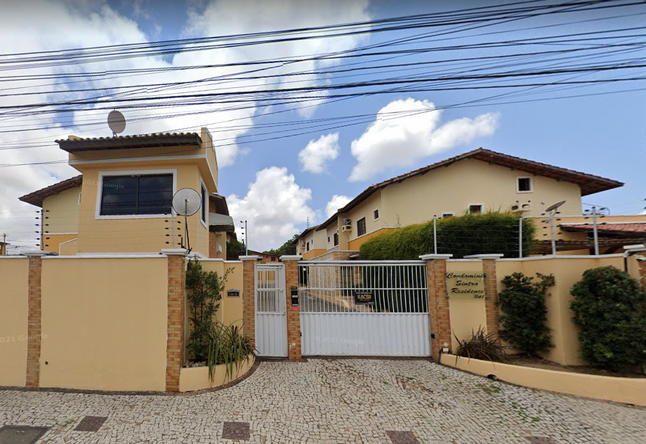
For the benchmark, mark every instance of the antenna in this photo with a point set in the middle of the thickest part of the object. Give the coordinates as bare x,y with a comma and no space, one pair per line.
554,207
116,122
186,202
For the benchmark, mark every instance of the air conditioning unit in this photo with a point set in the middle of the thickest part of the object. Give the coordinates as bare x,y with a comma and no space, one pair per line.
346,228
347,222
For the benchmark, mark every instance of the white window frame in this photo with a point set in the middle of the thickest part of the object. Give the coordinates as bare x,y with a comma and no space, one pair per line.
482,208
204,198
373,214
448,213
531,184
99,193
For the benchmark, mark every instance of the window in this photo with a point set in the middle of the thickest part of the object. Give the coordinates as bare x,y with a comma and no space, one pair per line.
328,239
447,215
375,214
205,204
361,226
524,184
307,247
475,208
136,194
336,239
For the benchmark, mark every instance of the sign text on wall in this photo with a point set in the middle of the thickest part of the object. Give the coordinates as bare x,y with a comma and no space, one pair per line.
465,285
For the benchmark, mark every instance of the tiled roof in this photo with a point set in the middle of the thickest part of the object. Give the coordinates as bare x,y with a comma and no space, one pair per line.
36,198
615,227
589,183
76,144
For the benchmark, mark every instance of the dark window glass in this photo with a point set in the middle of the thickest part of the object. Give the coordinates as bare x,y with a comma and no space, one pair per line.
204,204
128,195
475,209
524,184
336,239
361,226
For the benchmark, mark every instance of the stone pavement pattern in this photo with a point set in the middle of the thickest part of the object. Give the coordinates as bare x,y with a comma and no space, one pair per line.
335,401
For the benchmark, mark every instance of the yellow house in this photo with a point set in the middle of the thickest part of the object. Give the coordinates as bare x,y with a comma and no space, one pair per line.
474,182
121,202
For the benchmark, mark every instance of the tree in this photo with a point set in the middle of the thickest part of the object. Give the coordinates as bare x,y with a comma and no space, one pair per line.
288,248
204,292
235,249
609,309
524,313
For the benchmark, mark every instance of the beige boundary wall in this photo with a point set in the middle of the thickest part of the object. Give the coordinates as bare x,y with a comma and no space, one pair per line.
13,320
467,315
626,390
107,322
104,323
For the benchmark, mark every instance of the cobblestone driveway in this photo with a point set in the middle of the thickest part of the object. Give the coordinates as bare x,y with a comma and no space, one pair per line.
335,401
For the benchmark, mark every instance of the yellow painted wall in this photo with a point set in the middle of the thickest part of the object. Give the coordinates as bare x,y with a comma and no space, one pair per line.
13,321
61,212
230,307
467,315
566,271
104,323
53,241
136,235
470,181
69,248
197,378
313,253
357,243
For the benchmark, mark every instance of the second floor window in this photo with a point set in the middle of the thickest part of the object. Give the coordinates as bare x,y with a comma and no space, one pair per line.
136,194
361,226
336,239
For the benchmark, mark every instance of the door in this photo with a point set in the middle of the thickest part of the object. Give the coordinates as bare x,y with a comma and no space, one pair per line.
270,303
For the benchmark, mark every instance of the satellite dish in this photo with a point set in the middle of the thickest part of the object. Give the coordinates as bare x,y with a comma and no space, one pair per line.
555,206
186,202
116,122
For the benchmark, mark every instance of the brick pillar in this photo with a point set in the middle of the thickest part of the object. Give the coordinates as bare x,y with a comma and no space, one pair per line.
34,318
491,296
249,296
438,301
176,314
641,261
293,313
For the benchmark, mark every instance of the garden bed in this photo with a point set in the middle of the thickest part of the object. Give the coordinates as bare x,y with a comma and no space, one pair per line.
197,378
535,362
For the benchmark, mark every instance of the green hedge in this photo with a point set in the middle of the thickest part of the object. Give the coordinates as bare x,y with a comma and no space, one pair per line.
459,235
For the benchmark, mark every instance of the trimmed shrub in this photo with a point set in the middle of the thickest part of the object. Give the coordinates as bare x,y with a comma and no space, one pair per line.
524,314
460,235
609,309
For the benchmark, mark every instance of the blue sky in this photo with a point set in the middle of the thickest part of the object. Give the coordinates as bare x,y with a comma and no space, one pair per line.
283,165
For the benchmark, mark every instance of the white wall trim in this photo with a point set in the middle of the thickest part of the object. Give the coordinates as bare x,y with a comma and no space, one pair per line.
531,184
66,242
570,256
59,234
99,192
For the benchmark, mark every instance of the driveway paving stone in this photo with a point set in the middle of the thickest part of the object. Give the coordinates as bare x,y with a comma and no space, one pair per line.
335,401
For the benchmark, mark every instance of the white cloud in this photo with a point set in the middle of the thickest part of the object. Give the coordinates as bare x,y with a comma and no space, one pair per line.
408,130
337,201
273,206
317,152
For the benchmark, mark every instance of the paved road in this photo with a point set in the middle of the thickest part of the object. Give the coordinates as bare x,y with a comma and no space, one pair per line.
335,401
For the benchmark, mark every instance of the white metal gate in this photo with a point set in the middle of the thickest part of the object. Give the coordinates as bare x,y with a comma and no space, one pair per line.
271,318
364,308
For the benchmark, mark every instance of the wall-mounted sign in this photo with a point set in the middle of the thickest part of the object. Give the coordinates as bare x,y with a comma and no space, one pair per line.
364,298
233,293
294,291
466,285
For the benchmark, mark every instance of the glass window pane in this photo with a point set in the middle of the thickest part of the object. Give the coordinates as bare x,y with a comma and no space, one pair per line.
119,195
155,194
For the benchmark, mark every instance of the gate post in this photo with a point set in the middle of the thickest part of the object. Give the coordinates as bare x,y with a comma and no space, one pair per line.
176,312
249,297
293,313
438,301
492,311
34,293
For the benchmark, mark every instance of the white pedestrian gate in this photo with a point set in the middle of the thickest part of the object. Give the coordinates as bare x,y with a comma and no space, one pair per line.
364,308
271,318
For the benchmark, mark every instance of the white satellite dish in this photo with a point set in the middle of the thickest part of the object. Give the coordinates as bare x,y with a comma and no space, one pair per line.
554,207
116,122
186,202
